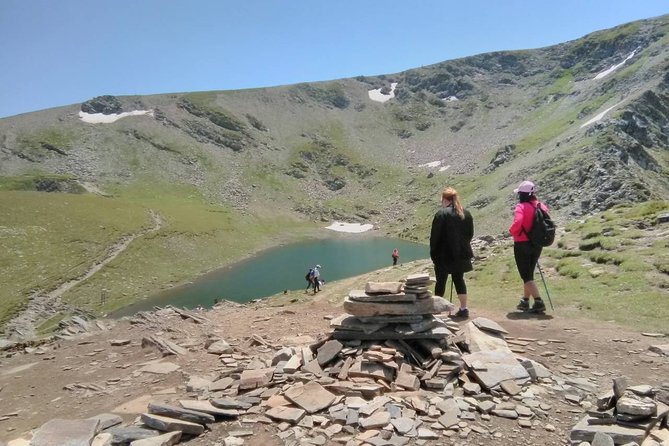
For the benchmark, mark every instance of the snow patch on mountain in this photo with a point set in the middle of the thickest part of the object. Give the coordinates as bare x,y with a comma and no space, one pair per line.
100,118
376,95
614,68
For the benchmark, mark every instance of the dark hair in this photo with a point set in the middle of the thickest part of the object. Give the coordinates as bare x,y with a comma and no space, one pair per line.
525,197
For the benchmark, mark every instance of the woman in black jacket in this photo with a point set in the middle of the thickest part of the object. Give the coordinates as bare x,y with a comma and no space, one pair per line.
450,246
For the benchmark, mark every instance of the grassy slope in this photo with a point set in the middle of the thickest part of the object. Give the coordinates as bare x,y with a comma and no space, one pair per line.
50,238
613,266
68,233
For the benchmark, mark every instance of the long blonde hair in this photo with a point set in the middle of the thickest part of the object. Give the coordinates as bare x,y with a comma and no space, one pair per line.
451,194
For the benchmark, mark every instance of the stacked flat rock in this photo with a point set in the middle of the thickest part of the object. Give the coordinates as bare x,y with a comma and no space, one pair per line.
627,414
393,311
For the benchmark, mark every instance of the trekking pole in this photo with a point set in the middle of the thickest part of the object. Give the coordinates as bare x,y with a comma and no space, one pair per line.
451,290
541,273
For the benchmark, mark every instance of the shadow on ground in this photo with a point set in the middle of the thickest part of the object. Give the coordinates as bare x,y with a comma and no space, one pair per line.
520,315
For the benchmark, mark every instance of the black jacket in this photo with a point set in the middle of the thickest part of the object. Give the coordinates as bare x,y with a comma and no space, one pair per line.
450,240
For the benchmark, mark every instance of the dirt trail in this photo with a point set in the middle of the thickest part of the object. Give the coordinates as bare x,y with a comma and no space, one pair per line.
85,376
43,305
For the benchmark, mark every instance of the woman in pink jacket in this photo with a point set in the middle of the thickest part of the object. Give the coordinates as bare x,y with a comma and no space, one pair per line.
524,252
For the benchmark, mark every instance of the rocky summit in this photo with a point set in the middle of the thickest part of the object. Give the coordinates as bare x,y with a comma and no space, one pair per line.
189,377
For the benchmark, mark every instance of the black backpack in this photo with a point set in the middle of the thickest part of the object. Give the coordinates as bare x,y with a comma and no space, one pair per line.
542,232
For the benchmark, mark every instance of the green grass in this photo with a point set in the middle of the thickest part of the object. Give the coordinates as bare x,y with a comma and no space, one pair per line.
31,182
50,238
627,285
196,237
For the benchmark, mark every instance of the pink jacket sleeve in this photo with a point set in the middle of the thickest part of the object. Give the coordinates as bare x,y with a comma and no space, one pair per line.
516,225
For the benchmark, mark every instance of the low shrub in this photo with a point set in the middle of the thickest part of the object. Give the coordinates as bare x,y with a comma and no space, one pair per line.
569,267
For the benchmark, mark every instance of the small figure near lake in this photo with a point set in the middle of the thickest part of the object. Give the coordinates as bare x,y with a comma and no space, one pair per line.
317,278
310,279
395,256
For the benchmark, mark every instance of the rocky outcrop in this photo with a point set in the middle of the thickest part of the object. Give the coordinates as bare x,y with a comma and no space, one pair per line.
502,155
107,105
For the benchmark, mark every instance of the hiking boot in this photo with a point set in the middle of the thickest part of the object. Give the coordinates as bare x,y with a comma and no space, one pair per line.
538,307
523,305
462,313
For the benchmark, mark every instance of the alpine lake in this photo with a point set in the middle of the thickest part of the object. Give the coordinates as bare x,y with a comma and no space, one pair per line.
284,268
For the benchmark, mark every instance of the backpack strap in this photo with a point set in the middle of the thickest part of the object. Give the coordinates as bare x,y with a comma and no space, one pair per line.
522,228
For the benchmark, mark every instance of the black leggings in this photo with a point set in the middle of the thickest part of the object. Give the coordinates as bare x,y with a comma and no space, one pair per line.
442,276
526,257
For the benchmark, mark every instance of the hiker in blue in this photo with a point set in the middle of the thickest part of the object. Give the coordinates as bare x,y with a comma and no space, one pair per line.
317,279
524,252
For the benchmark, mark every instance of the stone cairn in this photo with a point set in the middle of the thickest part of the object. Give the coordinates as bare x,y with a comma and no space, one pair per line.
626,415
386,375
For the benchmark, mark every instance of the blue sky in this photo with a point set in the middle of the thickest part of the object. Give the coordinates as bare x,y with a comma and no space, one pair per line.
59,52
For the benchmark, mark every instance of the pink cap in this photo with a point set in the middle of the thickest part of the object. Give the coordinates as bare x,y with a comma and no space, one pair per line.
525,186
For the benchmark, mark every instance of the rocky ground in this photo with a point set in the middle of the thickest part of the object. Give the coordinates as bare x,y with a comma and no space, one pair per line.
113,369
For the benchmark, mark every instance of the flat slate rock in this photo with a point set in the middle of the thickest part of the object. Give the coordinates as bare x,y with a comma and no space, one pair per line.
377,420
181,413
207,407
479,340
398,319
418,278
160,368
427,323
221,384
660,349
372,370
510,387
167,424
328,351
352,323
391,334
383,287
583,431
107,420
500,366
489,325
128,434
219,347
313,367
362,296
311,397
601,439
168,439
254,378
289,414
403,425
58,432
433,305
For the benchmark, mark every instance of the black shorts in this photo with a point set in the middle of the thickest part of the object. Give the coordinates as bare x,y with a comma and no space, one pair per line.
526,257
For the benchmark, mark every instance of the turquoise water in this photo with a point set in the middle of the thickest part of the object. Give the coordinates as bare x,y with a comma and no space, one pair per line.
283,268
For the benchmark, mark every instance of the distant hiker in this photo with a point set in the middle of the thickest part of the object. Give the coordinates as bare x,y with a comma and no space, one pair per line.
395,255
525,253
309,278
450,247
317,278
